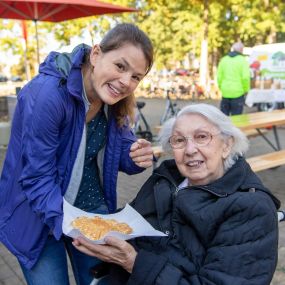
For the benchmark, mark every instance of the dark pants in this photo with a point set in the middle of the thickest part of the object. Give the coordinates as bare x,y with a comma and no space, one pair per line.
232,106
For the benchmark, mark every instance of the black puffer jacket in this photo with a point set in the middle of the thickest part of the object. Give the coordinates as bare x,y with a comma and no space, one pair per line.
224,233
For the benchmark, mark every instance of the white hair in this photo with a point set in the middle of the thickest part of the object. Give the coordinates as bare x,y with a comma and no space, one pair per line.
238,47
217,118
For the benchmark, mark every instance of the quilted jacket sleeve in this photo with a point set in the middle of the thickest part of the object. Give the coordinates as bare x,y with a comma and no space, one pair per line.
243,251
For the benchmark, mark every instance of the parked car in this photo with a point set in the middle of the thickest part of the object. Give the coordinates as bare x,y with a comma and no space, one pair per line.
16,78
3,78
182,72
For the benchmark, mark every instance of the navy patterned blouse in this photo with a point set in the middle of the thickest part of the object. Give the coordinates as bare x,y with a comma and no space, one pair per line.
90,196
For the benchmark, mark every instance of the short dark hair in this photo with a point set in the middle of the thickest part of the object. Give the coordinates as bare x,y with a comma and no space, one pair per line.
128,33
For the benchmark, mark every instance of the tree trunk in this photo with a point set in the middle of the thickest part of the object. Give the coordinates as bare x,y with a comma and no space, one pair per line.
203,72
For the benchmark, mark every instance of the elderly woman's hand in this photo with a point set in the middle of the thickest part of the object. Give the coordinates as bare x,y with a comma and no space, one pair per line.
114,251
142,153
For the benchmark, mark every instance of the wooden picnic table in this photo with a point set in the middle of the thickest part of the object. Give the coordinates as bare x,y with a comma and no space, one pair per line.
264,96
259,120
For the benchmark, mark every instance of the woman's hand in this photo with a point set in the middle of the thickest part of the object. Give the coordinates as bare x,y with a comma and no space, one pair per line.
114,251
141,153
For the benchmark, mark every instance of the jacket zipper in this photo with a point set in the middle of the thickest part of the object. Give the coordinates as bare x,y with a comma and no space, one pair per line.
204,188
175,193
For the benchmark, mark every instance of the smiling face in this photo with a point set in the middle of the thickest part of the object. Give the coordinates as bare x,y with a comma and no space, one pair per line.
203,164
114,75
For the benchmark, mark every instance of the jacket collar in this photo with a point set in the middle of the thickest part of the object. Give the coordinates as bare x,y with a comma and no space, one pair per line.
239,177
67,67
234,53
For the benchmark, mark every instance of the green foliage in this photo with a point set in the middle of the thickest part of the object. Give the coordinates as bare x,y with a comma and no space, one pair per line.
175,27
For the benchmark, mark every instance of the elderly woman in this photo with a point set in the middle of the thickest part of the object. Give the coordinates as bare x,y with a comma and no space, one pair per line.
220,220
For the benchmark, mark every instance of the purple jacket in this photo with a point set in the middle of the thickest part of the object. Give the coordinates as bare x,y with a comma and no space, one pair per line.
46,133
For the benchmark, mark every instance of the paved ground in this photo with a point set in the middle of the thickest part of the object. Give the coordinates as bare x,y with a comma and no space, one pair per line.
10,273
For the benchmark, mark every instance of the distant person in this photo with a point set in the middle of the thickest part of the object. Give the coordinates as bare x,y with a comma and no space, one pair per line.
220,220
233,80
70,136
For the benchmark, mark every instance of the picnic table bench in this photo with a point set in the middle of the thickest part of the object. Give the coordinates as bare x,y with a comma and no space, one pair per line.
267,161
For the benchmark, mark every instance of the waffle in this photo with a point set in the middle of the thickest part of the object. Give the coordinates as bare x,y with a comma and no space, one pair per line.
95,228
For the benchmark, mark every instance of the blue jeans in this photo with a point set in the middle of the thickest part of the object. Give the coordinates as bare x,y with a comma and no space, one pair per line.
51,268
232,106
